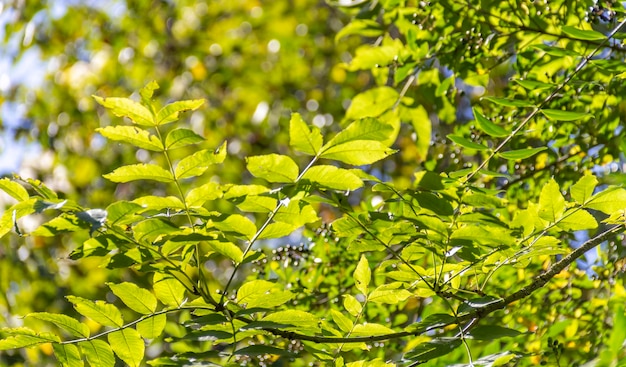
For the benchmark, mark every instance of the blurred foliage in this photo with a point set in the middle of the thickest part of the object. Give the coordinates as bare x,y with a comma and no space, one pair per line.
450,81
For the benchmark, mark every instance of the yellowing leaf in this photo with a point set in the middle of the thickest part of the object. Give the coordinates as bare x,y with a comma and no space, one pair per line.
124,107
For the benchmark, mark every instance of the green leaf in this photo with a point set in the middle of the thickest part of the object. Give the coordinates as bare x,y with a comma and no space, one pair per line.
363,129
123,212
228,249
303,139
509,102
492,332
172,111
152,327
534,85
58,225
487,126
371,329
351,305
142,171
556,51
159,202
41,189
262,350
358,152
99,311
180,138
273,168
371,103
278,230
582,34
521,153
435,348
577,219
67,355
168,290
299,320
98,353
361,27
75,327
203,193
389,294
133,135
153,229
559,115
14,189
362,275
137,299
236,223
262,294
24,337
551,202
466,143
128,346
368,57
197,163
434,321
147,91
582,190
124,107
344,323
608,201
297,213
333,178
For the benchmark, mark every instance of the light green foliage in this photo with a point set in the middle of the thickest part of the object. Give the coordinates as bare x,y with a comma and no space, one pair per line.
440,218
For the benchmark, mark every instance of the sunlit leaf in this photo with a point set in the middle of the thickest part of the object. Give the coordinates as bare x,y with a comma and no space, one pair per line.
333,178
75,327
373,102
298,320
351,305
551,202
15,338
273,167
142,171
124,107
152,327
608,201
128,346
509,102
582,190
67,355
14,189
435,348
178,138
362,275
344,323
132,135
168,290
263,294
99,311
137,299
172,111
577,219
228,249
97,352
197,163
371,329
361,27
303,138
358,152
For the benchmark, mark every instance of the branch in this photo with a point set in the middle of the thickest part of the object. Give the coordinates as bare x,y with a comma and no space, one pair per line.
478,313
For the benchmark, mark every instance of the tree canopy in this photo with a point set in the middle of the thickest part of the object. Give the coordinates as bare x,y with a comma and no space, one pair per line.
344,183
